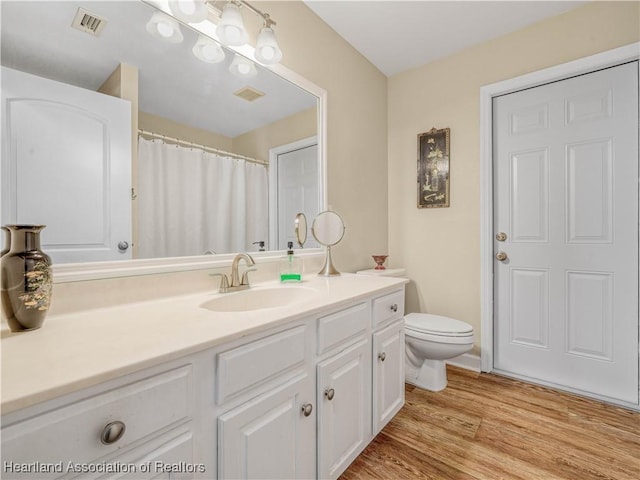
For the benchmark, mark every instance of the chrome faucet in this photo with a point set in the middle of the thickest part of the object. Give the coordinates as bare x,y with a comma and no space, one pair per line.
236,283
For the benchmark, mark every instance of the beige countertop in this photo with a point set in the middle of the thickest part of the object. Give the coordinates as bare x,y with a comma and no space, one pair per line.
79,350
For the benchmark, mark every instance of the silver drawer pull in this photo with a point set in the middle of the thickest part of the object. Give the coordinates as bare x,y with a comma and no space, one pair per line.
394,307
307,408
329,393
382,356
112,432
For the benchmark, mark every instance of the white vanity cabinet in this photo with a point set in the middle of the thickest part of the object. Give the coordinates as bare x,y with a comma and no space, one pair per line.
388,374
115,431
271,436
301,399
343,387
344,408
266,417
388,358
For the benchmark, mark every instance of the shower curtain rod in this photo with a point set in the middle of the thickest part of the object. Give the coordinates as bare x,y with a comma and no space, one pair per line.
201,147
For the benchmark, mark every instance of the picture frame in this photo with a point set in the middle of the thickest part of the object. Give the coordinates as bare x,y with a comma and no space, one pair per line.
433,168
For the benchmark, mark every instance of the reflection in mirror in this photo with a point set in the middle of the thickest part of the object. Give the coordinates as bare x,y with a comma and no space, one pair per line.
328,229
301,229
127,137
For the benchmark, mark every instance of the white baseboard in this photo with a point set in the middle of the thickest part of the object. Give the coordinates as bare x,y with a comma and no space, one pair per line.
466,360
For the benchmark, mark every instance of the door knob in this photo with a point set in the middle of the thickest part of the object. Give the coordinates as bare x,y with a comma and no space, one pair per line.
501,256
123,246
501,236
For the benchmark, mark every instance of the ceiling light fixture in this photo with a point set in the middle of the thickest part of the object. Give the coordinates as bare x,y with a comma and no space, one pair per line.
189,11
164,27
242,67
267,48
231,29
208,51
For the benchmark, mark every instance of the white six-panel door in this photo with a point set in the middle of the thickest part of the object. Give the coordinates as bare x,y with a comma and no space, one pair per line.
566,198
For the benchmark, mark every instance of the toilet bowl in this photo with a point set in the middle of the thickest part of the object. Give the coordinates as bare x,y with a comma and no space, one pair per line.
429,341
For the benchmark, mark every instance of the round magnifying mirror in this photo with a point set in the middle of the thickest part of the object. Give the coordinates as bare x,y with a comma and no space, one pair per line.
301,229
328,229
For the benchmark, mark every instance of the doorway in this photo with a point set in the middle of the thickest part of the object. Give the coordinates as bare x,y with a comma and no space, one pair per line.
563,217
293,188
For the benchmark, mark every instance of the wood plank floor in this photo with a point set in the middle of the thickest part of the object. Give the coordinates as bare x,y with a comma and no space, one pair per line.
487,427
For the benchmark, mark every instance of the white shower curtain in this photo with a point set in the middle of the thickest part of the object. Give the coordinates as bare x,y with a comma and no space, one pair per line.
191,202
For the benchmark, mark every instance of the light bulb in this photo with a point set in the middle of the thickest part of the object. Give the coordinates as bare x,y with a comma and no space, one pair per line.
267,49
231,29
207,50
232,34
189,11
268,53
165,29
187,6
242,67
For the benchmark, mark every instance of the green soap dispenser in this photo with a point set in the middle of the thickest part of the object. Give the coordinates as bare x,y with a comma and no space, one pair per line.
290,266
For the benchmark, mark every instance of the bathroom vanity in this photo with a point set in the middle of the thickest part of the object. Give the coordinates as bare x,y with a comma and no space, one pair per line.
207,385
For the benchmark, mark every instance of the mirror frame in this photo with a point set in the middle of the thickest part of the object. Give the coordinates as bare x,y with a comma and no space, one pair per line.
75,272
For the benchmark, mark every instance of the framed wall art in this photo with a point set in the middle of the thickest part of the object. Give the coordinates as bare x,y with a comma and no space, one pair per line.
433,168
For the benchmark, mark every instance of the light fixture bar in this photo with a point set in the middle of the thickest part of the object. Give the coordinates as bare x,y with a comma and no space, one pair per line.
265,16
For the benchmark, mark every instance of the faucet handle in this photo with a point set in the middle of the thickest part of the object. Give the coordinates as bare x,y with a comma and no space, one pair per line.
245,276
224,281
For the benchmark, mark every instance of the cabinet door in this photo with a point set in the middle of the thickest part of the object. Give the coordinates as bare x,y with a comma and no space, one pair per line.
344,408
388,374
270,436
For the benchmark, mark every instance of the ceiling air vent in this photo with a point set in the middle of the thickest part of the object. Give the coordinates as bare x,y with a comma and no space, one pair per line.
249,94
88,22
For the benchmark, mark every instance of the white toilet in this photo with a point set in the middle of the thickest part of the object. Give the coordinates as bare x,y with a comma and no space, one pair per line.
429,341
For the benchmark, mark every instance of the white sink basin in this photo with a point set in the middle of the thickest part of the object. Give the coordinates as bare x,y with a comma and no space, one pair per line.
260,299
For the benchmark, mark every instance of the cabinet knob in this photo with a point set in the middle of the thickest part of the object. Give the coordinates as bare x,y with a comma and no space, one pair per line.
307,408
382,356
394,307
329,393
112,432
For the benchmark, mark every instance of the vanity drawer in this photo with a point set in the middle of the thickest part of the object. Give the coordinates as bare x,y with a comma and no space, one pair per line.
258,362
387,308
73,433
340,326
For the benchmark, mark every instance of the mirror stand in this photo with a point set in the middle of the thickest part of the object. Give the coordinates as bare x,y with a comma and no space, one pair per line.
328,270
328,229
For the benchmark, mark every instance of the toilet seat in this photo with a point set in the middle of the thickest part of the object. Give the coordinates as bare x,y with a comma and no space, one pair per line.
437,328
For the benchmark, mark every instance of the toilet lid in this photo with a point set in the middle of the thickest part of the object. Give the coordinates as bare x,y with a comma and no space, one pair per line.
437,325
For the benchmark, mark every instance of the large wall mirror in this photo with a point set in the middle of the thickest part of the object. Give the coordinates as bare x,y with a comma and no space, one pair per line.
134,146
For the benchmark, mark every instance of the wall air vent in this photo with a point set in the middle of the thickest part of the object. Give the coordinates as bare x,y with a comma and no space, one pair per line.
249,94
88,22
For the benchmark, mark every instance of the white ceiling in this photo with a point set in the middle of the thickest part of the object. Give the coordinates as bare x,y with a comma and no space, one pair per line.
37,38
399,35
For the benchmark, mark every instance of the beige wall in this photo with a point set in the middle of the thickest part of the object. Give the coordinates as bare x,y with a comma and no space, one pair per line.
165,126
357,127
258,142
440,247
